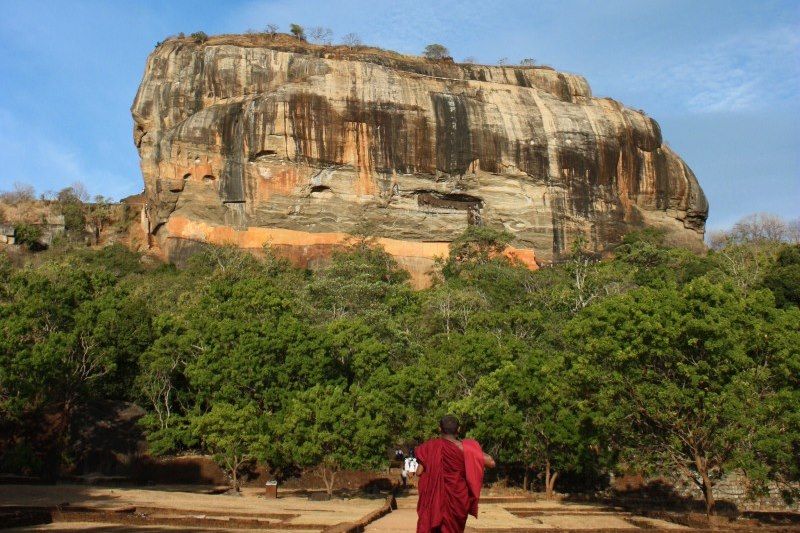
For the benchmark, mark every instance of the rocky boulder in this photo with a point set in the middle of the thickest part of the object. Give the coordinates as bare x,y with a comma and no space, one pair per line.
257,139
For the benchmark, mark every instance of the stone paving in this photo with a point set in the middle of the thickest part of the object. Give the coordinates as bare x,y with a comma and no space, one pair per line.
517,514
164,507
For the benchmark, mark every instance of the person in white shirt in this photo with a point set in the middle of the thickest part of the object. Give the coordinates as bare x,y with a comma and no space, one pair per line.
409,469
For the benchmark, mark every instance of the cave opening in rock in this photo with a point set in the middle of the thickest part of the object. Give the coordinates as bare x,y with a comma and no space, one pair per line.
321,191
208,178
460,201
262,154
187,177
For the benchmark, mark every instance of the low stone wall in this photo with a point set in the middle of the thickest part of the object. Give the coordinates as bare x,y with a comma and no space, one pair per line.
733,488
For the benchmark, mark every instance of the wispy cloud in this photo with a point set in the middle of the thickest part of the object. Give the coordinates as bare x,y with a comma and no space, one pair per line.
746,72
30,155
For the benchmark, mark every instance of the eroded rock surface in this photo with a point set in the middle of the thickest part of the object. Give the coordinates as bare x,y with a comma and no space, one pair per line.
251,140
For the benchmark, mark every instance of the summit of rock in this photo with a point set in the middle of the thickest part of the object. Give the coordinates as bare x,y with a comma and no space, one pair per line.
258,139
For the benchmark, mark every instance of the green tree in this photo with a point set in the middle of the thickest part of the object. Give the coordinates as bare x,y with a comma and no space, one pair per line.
684,376
436,52
783,277
360,279
28,235
478,244
526,413
161,383
331,428
248,343
69,337
199,37
71,205
234,434
298,31
99,214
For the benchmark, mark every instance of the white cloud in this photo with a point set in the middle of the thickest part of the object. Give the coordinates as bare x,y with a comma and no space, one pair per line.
746,72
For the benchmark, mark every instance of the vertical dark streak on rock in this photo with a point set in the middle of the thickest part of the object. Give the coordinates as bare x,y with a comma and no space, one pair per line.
564,92
557,217
232,133
453,136
316,127
487,142
662,179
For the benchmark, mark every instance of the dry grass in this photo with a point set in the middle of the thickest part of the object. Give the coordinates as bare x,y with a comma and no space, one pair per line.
371,54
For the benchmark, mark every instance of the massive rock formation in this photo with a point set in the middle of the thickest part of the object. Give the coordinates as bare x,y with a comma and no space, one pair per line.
256,139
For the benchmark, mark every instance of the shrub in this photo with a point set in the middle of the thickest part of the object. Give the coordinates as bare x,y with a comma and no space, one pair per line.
528,62
199,37
28,235
436,52
298,31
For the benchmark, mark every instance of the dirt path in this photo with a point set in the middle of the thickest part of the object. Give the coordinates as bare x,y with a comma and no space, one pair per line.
525,514
129,508
404,518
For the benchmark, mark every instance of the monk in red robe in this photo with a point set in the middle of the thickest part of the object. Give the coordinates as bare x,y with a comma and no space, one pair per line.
450,478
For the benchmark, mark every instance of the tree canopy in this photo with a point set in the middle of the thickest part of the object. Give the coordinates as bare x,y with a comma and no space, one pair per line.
654,360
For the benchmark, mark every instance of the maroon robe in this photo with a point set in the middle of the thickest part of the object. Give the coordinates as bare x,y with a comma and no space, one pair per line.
449,487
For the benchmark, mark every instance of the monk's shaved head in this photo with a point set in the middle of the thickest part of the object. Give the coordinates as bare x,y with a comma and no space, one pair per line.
449,425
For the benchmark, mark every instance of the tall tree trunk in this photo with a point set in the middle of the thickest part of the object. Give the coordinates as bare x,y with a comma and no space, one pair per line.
551,489
549,480
234,467
708,490
328,477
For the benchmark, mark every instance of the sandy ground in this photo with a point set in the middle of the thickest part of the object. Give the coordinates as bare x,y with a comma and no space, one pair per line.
402,519
170,501
526,514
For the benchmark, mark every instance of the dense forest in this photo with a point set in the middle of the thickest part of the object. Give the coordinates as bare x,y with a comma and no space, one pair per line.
653,360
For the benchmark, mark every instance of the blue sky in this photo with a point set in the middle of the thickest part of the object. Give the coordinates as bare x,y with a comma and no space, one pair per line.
721,77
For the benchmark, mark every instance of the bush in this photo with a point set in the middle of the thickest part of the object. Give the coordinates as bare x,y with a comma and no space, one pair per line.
28,235
74,219
298,31
199,37
436,52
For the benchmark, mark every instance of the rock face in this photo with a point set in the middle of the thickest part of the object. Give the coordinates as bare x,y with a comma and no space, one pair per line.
251,140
